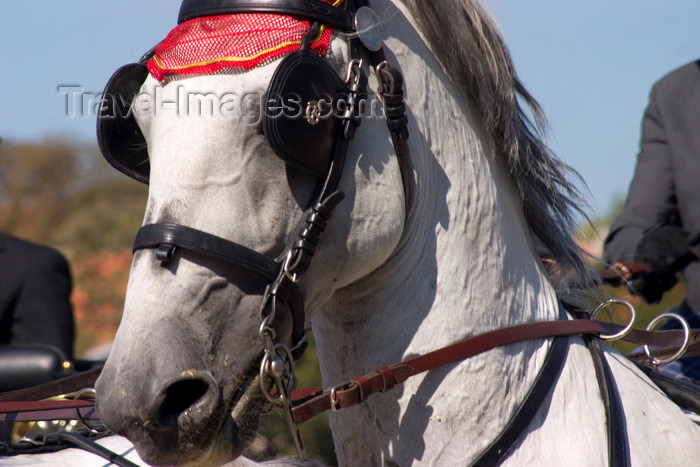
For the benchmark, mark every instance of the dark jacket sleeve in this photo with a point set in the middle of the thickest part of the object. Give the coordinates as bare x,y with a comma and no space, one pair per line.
43,313
651,199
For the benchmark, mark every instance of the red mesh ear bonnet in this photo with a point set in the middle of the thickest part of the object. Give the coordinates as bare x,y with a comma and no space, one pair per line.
243,41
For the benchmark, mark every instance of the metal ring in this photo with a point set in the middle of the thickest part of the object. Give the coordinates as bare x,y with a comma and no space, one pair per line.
289,362
78,396
626,329
284,383
264,377
265,331
686,331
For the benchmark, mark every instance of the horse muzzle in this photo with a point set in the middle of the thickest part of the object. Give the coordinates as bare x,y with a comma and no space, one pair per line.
173,423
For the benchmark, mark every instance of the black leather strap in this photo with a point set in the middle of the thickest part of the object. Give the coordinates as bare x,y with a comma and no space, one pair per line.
391,89
395,108
314,10
92,447
618,448
682,392
501,447
165,237
180,236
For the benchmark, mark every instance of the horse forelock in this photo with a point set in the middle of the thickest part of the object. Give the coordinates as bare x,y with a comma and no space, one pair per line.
480,65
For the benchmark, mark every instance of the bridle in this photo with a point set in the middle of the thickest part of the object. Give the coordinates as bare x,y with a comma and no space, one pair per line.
282,295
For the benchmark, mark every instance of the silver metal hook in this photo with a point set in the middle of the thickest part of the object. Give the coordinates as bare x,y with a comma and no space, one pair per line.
353,72
285,267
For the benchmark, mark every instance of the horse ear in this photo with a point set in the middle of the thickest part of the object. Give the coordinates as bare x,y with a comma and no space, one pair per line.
299,118
118,135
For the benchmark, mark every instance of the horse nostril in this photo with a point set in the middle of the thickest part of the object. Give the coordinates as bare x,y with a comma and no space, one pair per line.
181,395
187,402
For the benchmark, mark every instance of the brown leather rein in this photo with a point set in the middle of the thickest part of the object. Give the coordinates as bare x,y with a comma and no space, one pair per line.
27,404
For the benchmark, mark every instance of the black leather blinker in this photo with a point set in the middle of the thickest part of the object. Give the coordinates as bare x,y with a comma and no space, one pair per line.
118,135
300,111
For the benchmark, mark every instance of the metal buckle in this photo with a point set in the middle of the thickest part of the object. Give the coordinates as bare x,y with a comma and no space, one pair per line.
626,329
335,403
383,380
686,332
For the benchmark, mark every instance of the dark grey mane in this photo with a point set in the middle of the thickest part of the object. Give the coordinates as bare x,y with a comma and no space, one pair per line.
481,65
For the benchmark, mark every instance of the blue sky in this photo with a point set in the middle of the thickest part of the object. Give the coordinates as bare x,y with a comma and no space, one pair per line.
590,64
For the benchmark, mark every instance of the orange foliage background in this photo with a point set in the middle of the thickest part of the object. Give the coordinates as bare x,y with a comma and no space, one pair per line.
64,195
98,295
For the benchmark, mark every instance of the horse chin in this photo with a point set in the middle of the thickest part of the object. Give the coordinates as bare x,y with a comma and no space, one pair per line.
219,442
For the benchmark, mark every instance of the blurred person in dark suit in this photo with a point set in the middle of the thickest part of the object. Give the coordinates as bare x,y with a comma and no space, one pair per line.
35,288
35,310
659,224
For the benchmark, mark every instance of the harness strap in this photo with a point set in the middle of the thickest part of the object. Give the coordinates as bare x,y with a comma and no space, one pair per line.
394,107
62,386
383,379
315,400
667,350
501,447
618,447
21,411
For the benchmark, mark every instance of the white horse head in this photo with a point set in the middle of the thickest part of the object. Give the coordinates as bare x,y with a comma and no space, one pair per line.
388,280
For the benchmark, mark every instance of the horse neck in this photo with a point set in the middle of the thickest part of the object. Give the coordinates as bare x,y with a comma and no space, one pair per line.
466,265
